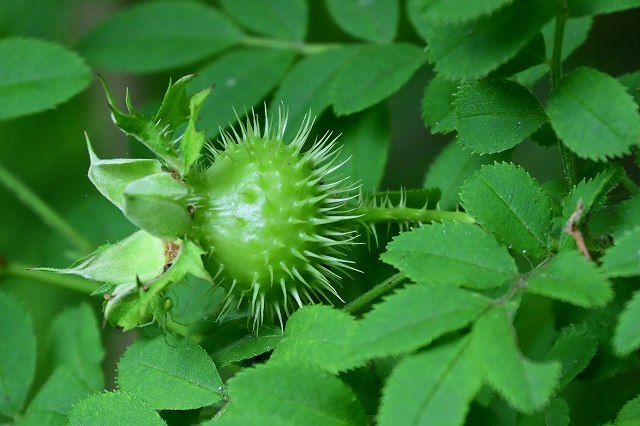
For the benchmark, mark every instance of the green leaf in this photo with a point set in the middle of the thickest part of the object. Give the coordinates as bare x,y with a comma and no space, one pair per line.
372,74
413,317
169,372
457,254
574,348
470,50
375,21
531,55
451,168
192,140
434,387
556,413
74,342
113,409
248,346
240,79
632,82
623,259
174,109
627,334
18,355
570,277
629,415
526,385
306,89
294,393
167,34
462,10
194,300
594,115
53,402
511,204
110,177
493,116
597,7
285,19
365,143
318,335
37,75
628,215
437,104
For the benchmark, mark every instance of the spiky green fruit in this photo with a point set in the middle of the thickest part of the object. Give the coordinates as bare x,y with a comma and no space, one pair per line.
273,218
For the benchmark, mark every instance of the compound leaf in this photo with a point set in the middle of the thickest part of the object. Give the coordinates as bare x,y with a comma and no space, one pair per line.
451,253
493,116
434,387
462,10
113,409
510,203
594,115
284,19
168,34
627,334
623,259
375,21
37,75
169,372
437,104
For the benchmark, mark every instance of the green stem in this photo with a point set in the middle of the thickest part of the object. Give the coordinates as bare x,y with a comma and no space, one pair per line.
630,185
403,214
69,282
40,208
298,46
377,291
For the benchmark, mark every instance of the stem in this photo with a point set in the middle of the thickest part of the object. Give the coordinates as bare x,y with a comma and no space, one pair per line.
402,214
298,46
377,291
40,208
630,185
69,282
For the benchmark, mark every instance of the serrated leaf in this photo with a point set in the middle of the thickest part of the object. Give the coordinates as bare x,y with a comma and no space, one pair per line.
526,385
373,73
451,168
240,79
248,347
632,82
318,335
434,387
628,216
167,34
574,348
285,19
493,116
593,115
295,393
18,355
556,413
456,254
470,50
375,21
510,203
306,89
169,372
597,7
627,334
113,409
174,109
413,317
629,415
570,277
437,104
48,75
74,342
623,259
462,10
530,56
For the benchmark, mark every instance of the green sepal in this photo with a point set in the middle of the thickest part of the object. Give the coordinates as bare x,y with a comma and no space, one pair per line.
158,204
110,177
192,140
174,109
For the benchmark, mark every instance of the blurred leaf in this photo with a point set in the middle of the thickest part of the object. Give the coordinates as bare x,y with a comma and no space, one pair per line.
74,342
375,21
632,82
623,259
627,334
597,7
158,35
493,116
365,141
453,254
240,79
526,385
372,74
628,215
462,10
37,75
510,203
169,372
286,19
574,348
629,415
437,104
413,317
434,387
292,394
248,347
470,50
318,335
18,355
594,115
531,55
113,409
556,413
193,300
